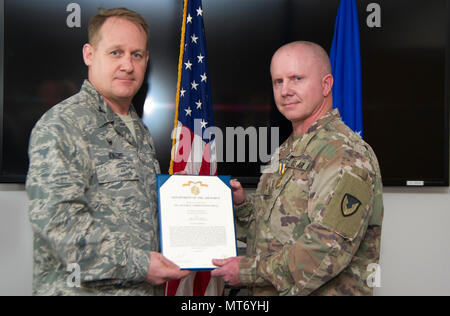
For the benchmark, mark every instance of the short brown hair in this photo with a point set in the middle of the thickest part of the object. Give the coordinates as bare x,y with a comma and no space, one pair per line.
97,21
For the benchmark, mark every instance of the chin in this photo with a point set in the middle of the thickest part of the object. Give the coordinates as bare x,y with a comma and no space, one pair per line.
293,116
126,92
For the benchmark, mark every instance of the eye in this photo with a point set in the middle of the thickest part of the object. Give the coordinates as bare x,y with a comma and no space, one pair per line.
277,82
115,53
138,55
298,78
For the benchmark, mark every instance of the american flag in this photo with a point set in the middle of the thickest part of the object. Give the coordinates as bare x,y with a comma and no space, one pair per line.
193,147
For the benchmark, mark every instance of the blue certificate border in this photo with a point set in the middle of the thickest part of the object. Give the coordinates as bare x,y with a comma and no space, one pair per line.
162,178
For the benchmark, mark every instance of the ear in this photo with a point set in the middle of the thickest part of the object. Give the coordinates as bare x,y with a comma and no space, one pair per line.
327,84
88,54
147,57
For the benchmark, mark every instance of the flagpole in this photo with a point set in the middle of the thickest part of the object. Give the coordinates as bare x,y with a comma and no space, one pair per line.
177,99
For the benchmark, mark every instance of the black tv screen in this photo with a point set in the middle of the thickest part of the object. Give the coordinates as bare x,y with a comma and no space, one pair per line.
404,73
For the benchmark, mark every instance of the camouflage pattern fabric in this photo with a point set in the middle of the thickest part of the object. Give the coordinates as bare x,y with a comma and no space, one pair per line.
92,192
314,224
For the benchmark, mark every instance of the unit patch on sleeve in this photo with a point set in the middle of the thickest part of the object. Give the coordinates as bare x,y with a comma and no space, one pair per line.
349,205
347,209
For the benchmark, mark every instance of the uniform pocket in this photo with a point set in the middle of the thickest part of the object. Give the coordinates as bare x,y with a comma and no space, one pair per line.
289,216
113,166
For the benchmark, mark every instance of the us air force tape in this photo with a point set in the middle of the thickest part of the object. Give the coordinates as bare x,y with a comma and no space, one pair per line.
348,206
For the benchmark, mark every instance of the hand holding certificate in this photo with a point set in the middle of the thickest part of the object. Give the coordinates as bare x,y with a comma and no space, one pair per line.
196,220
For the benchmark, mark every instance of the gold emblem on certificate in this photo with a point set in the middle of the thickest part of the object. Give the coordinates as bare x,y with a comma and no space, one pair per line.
195,190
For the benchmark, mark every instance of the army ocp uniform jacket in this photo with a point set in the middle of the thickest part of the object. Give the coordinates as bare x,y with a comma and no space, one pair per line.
92,192
313,227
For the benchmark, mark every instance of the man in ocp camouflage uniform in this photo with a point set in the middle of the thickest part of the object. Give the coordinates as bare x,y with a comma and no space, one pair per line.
313,227
91,179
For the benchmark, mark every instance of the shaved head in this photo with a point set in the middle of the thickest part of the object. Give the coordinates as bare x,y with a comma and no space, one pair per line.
302,83
313,50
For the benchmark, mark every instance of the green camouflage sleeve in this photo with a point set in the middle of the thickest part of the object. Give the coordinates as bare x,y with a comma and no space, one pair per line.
339,211
244,216
58,186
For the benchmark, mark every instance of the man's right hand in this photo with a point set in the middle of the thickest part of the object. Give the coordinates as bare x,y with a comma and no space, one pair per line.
238,192
162,270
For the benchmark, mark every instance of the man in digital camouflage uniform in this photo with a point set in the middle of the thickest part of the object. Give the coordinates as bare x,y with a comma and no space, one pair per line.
313,227
91,179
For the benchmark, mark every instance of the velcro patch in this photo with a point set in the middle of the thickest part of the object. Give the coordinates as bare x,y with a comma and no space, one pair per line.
348,206
302,164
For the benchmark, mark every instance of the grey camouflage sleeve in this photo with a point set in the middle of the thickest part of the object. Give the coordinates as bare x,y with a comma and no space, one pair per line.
61,214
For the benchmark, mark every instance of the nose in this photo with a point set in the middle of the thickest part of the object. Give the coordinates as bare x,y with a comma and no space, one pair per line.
286,90
127,64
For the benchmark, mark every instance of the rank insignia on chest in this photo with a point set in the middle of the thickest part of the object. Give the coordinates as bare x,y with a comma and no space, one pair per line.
282,168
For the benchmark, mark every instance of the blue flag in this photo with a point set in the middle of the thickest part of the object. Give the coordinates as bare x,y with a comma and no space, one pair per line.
345,60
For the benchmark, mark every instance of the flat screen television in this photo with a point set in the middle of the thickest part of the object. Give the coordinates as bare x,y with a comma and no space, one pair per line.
404,70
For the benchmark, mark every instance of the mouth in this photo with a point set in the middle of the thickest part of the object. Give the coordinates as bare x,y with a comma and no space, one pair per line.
290,104
125,80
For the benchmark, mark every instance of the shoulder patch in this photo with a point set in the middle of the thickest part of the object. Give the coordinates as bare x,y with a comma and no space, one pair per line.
349,205
347,209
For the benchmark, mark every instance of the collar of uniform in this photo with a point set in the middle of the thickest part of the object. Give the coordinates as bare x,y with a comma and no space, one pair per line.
312,131
107,115
325,119
133,113
102,107
100,104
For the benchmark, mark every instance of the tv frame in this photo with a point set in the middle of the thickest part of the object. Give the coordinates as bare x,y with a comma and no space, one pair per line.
252,181
2,53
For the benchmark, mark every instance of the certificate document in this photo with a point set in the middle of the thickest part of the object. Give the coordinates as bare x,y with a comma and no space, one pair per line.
196,220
